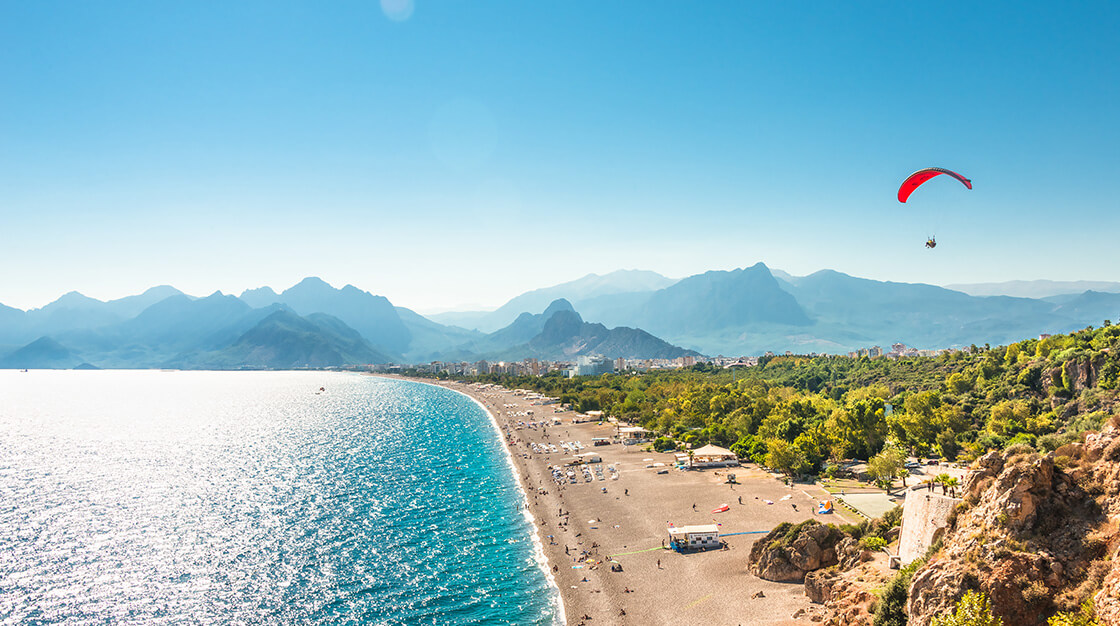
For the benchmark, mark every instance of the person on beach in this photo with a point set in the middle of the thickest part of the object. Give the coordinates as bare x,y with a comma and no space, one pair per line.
658,563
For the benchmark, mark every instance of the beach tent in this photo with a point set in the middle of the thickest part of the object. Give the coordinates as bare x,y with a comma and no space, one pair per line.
713,456
721,509
824,507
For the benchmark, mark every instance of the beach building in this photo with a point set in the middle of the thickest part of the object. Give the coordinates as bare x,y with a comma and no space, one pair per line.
713,456
698,537
855,469
631,435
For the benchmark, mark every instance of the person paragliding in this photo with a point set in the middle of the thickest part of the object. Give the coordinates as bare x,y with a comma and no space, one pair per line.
919,178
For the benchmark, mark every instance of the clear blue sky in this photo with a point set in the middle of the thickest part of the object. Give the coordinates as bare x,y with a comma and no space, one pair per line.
456,153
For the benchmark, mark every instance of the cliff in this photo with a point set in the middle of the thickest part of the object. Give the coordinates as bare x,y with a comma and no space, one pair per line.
1037,534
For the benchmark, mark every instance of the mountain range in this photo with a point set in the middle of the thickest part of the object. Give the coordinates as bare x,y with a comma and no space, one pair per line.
633,313
311,324
591,293
1036,288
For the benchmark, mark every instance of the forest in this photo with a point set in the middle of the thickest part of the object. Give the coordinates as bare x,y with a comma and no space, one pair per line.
800,414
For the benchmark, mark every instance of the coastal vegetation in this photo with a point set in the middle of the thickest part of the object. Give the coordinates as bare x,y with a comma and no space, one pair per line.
801,414
974,609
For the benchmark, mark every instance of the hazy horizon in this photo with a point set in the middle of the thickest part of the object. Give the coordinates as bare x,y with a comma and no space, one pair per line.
474,307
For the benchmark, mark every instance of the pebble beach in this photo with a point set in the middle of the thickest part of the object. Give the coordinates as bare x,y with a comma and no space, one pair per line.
604,538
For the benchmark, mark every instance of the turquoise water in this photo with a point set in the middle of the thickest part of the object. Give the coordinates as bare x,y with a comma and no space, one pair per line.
251,497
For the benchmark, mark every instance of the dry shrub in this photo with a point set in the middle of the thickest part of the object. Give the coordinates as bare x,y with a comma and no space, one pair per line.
1072,450
1072,598
1036,593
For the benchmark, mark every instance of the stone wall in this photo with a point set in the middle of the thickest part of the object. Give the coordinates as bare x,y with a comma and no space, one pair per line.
923,514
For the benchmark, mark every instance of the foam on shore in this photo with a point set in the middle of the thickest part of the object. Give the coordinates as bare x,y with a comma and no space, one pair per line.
559,617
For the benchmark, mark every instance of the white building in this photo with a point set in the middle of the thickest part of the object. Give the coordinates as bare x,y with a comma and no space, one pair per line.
694,537
593,365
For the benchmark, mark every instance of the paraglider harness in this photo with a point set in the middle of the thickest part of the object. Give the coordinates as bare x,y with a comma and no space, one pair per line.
931,243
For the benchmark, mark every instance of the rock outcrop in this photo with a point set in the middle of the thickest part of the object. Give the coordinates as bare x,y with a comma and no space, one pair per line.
790,551
1036,533
849,596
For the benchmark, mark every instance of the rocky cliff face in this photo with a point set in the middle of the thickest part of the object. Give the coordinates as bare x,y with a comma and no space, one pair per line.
848,597
790,552
1036,533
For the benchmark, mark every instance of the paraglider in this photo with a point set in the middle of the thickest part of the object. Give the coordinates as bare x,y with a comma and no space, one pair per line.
919,178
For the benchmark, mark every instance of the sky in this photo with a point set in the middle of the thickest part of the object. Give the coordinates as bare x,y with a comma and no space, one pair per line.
452,154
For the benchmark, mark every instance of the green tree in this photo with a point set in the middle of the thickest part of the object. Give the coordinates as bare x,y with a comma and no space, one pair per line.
859,429
1009,417
958,383
947,444
888,464
785,457
943,480
1086,616
972,610
892,598
950,485
750,447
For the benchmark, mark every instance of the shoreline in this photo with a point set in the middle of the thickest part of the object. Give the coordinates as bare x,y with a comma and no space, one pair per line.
559,616
581,529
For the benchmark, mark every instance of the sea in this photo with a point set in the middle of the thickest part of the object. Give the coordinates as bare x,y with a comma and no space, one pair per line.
169,497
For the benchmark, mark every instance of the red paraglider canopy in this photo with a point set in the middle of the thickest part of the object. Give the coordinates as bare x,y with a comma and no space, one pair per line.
919,177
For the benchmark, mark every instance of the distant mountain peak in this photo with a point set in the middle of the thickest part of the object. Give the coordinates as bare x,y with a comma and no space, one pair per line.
43,353
72,299
74,294
559,304
374,317
260,297
160,290
313,281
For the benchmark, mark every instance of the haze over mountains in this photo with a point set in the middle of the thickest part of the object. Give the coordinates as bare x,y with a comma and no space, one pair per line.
1036,288
632,314
754,309
591,292
311,324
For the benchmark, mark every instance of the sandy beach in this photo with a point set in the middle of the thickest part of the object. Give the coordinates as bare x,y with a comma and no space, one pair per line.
581,525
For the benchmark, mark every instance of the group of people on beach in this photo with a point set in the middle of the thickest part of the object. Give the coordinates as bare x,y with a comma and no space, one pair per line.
580,557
